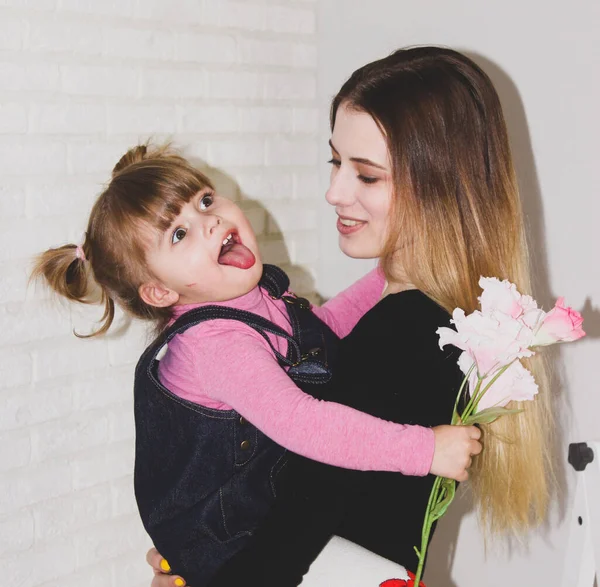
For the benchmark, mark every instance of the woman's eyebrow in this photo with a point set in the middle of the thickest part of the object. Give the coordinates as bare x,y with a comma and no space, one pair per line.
361,160
367,162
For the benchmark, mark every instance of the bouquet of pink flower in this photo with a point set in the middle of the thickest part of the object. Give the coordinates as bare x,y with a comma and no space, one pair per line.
509,327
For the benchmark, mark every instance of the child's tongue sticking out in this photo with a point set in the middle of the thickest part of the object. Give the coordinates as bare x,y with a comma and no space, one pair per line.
237,255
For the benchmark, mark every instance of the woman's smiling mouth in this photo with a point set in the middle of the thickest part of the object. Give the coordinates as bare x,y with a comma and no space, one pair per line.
348,226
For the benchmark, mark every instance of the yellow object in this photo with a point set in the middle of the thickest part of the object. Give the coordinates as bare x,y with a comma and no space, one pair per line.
165,566
179,582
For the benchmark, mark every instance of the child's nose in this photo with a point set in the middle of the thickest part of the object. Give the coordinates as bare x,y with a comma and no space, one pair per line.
213,223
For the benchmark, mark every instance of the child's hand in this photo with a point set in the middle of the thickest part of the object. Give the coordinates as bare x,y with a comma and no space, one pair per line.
161,569
454,447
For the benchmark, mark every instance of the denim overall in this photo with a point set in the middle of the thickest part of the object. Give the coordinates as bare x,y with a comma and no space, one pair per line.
205,478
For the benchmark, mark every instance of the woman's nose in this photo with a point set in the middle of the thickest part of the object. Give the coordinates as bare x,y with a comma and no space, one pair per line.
340,192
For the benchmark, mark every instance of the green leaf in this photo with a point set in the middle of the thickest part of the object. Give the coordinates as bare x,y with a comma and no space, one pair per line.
489,415
447,492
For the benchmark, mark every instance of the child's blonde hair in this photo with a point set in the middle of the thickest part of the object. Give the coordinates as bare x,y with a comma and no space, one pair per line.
458,212
149,186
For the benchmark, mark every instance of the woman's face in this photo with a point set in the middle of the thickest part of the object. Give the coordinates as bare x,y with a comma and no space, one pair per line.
361,183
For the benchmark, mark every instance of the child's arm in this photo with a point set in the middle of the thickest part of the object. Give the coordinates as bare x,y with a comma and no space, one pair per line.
238,369
260,390
342,312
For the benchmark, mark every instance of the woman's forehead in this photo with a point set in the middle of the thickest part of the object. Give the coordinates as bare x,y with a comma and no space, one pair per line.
357,135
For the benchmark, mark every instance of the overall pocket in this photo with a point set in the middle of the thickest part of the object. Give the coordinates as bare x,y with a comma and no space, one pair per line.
249,493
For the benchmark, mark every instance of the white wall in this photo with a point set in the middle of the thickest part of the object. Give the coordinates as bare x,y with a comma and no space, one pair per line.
80,82
543,57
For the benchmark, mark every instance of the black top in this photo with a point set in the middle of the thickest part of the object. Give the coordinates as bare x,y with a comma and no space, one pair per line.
391,366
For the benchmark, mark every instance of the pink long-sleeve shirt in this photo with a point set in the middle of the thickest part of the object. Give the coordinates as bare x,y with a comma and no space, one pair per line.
225,364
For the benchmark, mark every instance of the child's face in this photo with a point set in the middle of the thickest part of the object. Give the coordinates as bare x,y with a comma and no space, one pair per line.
361,183
209,254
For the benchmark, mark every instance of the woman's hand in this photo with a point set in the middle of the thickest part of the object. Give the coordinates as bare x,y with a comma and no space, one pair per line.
161,569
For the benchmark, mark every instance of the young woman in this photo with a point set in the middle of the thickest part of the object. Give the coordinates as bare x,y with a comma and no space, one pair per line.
422,178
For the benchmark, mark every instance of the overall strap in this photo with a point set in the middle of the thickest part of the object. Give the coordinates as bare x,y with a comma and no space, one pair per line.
305,342
258,323
306,327
275,281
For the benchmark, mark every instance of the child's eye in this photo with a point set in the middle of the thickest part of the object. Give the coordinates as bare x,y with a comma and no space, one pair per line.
206,201
334,162
178,235
368,180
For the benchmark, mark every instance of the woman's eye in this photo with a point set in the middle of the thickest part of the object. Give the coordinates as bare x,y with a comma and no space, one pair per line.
334,162
368,180
178,235
206,201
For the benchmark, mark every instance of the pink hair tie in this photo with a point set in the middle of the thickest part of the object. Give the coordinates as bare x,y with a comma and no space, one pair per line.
79,253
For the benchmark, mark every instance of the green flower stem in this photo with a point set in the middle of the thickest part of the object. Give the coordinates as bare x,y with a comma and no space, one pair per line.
460,392
437,494
470,405
478,392
493,380
433,498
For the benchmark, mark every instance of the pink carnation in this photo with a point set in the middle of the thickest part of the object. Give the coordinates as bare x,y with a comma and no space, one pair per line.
561,324
515,384
492,340
503,296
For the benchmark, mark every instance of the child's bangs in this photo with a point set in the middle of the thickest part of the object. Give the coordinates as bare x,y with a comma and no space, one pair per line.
163,202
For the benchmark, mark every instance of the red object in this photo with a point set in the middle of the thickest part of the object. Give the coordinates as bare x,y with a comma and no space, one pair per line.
412,580
402,582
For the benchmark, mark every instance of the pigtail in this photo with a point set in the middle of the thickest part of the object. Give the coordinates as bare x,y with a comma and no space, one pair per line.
67,272
64,271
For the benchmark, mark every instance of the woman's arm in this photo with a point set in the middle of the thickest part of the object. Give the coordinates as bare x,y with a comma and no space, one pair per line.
342,312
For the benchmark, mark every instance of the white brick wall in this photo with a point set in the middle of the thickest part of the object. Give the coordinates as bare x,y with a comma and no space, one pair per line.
81,81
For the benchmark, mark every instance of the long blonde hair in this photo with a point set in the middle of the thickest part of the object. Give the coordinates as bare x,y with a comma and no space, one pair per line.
456,196
149,186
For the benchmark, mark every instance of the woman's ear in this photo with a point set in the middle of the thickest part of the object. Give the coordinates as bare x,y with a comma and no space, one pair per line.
157,295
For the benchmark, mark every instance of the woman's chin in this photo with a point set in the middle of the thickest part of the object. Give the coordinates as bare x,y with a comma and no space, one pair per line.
357,250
